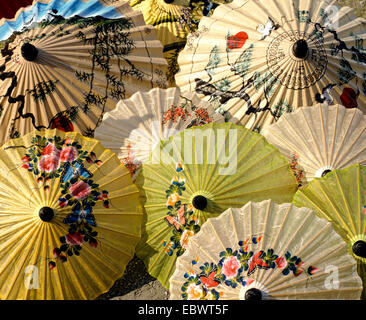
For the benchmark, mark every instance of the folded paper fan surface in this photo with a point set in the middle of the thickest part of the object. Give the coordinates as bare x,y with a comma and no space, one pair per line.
266,251
65,73
198,174
257,60
69,217
340,197
319,139
137,125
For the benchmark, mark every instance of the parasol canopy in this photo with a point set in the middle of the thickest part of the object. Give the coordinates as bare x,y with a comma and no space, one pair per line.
257,60
340,198
65,73
266,251
319,139
69,217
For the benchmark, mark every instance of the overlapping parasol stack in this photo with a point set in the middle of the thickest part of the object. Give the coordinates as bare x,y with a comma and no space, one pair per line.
135,127
198,174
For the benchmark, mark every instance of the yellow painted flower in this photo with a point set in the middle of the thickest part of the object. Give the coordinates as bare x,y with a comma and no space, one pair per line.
173,199
194,292
187,234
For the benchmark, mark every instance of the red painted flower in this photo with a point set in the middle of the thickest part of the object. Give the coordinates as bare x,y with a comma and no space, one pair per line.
237,41
62,123
230,267
25,159
80,190
49,163
349,98
49,150
74,239
68,154
51,265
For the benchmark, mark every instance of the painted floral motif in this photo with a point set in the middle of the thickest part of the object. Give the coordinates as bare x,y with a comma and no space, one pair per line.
63,159
235,268
184,112
174,113
180,216
130,162
296,170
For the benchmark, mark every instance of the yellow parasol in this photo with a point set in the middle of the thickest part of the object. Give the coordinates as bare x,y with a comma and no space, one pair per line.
69,217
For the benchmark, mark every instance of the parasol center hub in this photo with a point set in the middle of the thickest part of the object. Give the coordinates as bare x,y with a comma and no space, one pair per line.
325,172
199,202
359,248
300,49
46,214
253,294
29,52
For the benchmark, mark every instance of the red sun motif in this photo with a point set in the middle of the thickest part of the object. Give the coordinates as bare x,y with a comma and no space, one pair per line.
237,41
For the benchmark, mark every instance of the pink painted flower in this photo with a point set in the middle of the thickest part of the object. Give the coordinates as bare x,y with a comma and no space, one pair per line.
80,190
49,150
281,262
74,239
49,163
68,154
230,267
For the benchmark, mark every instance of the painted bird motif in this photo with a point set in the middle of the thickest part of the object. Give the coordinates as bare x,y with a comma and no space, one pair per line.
268,28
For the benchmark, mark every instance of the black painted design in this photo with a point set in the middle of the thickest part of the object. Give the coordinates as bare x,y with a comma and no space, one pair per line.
110,41
298,78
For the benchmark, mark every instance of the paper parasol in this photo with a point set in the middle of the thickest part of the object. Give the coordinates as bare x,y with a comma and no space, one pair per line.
256,60
319,139
340,197
69,217
137,125
44,9
171,20
198,174
266,251
66,73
